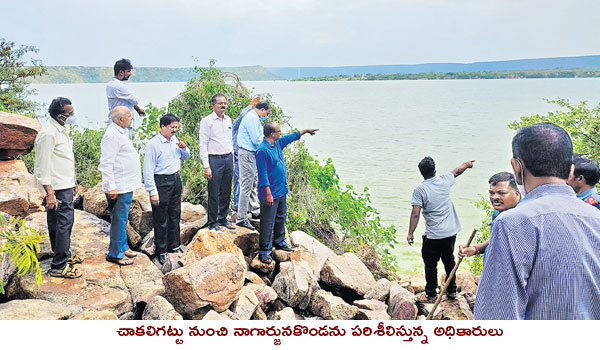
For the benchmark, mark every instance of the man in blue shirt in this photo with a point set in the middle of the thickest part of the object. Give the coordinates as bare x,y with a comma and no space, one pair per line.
236,168
248,139
542,260
585,177
162,162
273,189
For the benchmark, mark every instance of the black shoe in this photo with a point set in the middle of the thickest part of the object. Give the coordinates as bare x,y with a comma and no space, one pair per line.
227,224
246,224
431,298
214,227
162,258
177,250
265,259
284,247
451,296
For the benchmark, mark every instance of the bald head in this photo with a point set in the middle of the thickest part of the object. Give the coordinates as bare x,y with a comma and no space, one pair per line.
121,116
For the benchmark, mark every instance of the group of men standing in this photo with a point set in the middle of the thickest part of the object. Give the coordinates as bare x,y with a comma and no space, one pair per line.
251,154
541,260
122,174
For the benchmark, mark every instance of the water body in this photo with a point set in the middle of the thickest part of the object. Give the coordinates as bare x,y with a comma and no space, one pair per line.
376,132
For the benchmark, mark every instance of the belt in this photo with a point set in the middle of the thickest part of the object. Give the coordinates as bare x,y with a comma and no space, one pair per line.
247,150
220,155
166,175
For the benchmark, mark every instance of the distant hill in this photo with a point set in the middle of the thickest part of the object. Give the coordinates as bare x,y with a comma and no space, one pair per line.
589,62
66,74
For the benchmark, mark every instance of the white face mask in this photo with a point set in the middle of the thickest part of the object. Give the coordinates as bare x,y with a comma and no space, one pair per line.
70,120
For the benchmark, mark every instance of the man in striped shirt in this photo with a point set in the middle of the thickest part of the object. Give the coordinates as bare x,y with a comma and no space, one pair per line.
542,260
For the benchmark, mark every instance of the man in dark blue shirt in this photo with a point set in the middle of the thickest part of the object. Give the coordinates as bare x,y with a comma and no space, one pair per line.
273,188
584,179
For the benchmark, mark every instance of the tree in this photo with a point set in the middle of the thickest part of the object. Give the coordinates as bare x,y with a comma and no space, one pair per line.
15,77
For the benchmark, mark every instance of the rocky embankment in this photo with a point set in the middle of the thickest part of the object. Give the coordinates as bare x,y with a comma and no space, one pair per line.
217,277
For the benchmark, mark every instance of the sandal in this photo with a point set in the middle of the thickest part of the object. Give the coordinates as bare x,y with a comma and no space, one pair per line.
130,253
122,262
265,259
68,272
75,260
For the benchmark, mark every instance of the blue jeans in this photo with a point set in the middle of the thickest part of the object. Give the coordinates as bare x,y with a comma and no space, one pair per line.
272,225
236,182
119,216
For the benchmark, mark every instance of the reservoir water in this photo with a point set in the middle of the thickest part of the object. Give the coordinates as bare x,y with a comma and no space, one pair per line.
376,132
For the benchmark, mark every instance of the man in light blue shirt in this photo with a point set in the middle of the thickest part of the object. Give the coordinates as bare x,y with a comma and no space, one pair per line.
249,137
121,175
236,167
542,260
162,162
118,94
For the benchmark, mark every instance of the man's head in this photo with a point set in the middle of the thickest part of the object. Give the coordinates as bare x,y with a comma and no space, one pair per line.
542,150
263,109
219,104
61,109
123,69
427,167
121,116
586,174
169,123
504,193
272,131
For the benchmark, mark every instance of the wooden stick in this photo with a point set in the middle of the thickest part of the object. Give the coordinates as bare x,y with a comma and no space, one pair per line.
449,278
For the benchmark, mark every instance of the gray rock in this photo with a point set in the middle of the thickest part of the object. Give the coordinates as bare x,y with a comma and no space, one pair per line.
193,213
380,291
371,309
158,308
287,314
148,247
347,274
143,279
215,316
296,285
318,251
246,304
265,294
330,307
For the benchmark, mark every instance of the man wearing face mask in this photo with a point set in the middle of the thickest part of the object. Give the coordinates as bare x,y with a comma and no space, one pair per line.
542,259
118,94
162,162
584,179
121,175
54,175
249,137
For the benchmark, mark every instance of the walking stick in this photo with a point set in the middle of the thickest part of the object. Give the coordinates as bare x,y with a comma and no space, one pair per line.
449,278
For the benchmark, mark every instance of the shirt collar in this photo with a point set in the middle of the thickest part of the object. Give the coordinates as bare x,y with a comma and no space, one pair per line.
549,189
587,193
60,128
164,139
268,144
119,128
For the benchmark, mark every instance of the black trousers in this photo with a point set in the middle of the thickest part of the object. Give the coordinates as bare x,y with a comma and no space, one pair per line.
219,187
272,224
60,223
432,251
166,215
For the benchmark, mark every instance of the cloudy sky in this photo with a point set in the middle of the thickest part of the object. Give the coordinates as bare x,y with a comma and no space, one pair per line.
300,32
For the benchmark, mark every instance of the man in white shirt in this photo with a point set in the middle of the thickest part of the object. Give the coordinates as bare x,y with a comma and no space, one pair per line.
216,153
119,95
121,175
54,175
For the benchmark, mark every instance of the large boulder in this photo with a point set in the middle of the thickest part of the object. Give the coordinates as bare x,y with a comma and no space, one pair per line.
330,307
90,235
140,212
100,288
417,282
296,285
457,309
246,304
187,231
147,246
317,251
35,309
193,213
208,242
143,279
18,196
214,280
347,274
401,304
94,201
18,135
133,238
379,291
158,308
245,239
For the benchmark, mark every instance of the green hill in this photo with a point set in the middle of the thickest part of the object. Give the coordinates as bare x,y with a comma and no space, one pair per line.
71,75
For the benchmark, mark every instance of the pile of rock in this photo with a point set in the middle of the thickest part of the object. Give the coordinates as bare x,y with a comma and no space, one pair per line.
217,277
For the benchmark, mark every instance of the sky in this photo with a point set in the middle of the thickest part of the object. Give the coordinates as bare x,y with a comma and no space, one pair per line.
284,33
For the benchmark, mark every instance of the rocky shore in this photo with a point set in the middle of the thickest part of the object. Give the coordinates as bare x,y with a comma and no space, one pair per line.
217,277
